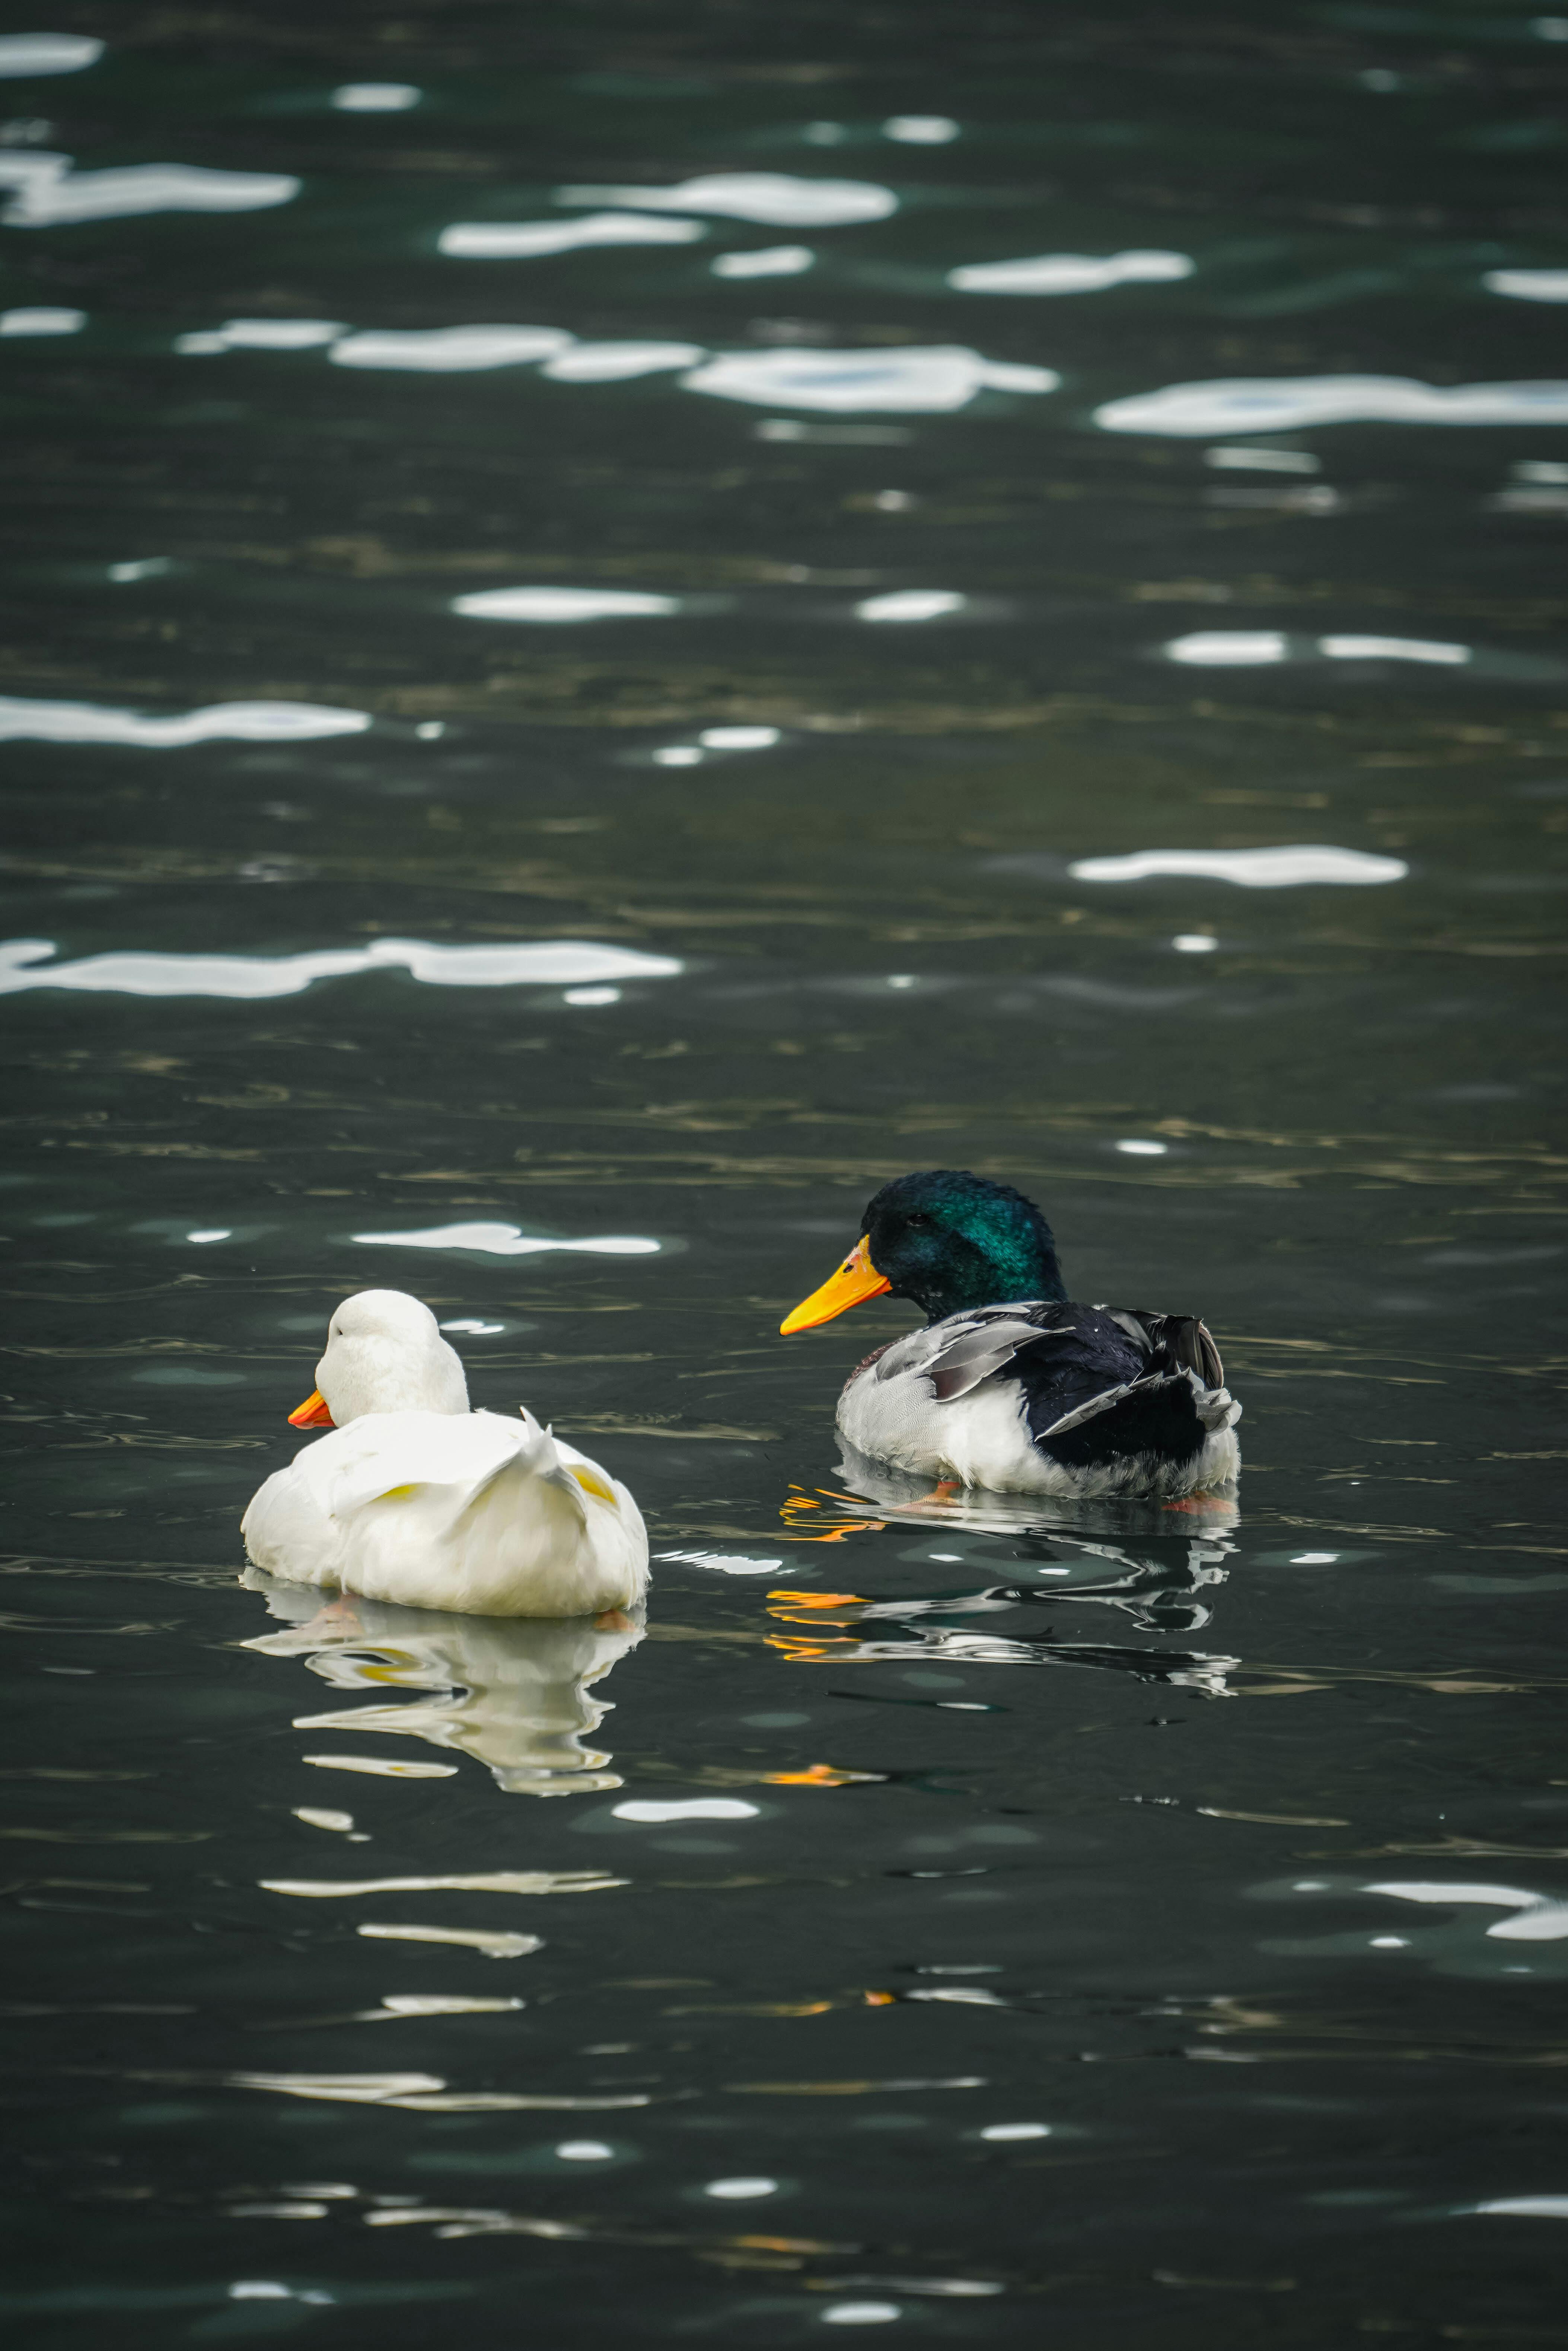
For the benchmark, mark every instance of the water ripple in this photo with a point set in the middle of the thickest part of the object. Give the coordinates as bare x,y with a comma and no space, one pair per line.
908,380
1071,273
1251,869
52,198
538,962
777,197
448,351
1288,403
23,720
23,55
533,240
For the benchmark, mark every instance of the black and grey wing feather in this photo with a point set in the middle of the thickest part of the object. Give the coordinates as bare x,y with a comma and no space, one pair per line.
1175,1399
1098,1382
986,1343
957,1355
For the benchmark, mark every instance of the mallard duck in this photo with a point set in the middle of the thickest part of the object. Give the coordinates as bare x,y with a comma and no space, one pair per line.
414,1499
1012,1386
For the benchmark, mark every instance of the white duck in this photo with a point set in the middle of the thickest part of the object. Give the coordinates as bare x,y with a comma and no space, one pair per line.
416,1500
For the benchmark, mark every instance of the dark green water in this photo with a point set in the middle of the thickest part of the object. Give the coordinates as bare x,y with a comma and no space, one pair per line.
1114,1929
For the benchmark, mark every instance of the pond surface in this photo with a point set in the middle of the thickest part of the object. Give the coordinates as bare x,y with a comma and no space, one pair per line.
622,621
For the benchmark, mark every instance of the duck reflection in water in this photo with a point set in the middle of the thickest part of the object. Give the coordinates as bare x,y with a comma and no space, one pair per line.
1126,1557
520,1694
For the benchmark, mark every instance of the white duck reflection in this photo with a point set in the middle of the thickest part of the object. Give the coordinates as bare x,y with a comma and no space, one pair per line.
520,1694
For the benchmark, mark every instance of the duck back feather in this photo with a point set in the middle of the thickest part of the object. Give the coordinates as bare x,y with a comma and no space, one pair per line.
468,1512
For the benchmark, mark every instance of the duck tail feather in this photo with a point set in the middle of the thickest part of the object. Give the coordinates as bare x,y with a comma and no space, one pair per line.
538,1464
1166,1414
1182,1341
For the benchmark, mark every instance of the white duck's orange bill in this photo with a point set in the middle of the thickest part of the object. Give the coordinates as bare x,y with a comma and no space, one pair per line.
312,1413
856,1278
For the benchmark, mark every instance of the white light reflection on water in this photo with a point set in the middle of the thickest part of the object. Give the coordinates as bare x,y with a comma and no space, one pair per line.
777,197
23,55
449,350
490,1881
423,2093
1537,1919
725,1563
396,2005
1226,648
1071,273
931,380
20,168
650,1809
1539,486
554,605
911,605
249,977
1246,460
42,321
617,363
274,2290
58,196
765,261
1528,285
1287,403
921,130
1253,648
25,720
1251,869
261,335
1409,648
508,1241
535,240
375,97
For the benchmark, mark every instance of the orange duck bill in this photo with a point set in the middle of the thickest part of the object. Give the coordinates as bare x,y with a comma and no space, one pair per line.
857,1277
312,1413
